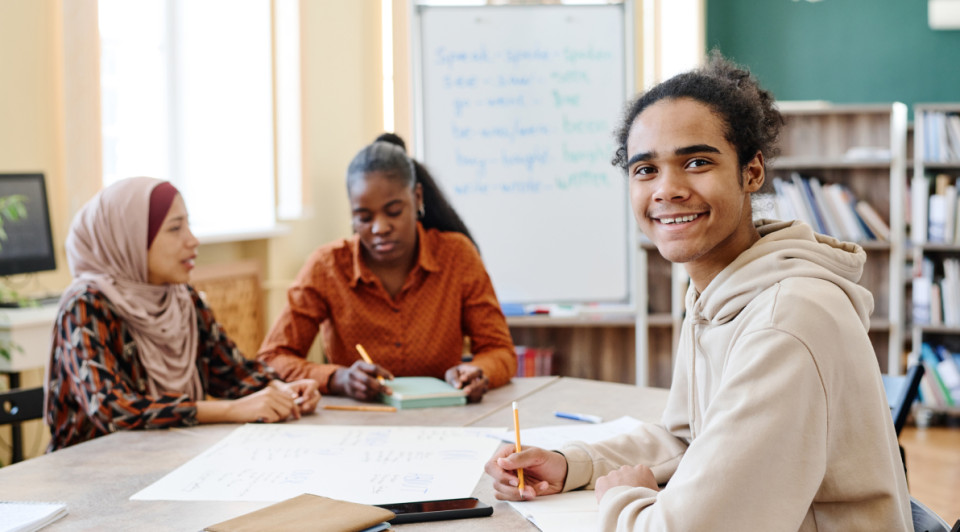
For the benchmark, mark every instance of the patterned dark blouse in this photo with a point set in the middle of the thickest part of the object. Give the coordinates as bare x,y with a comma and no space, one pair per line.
97,384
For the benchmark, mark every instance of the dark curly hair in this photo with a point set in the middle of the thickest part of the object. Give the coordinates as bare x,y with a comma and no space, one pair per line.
388,153
752,121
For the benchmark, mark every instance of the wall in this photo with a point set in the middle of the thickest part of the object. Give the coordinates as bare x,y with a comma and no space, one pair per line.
31,122
49,112
840,50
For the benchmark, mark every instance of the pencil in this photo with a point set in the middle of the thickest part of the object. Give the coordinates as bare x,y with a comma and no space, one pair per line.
516,428
367,359
361,408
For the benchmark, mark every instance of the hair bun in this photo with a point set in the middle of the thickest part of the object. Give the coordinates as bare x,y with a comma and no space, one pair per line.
392,138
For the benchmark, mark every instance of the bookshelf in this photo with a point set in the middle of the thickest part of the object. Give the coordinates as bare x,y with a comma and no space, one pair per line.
933,290
862,148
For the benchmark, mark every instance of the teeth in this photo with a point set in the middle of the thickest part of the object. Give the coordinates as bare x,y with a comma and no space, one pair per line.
679,219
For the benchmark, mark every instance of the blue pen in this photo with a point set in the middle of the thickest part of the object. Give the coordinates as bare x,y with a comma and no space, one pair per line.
578,417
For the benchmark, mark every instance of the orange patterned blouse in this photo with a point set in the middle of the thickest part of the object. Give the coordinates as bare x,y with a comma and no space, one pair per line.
446,296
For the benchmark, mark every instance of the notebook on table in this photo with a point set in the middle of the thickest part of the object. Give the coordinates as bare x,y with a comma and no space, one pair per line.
422,392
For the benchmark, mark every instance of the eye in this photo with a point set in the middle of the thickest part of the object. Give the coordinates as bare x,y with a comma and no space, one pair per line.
393,213
642,171
698,163
175,228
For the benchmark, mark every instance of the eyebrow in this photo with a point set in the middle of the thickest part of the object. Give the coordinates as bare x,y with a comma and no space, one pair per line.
177,219
389,204
686,150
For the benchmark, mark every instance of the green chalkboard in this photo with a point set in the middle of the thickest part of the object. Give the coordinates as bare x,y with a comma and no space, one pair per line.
844,51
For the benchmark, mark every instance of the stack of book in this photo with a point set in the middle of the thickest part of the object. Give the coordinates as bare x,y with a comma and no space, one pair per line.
933,217
941,136
534,361
936,295
831,209
940,386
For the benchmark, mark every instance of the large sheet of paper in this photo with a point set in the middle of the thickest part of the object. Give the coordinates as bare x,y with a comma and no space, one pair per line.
573,511
371,465
554,437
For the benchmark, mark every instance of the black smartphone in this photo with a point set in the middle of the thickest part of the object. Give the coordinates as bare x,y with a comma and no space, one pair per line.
416,512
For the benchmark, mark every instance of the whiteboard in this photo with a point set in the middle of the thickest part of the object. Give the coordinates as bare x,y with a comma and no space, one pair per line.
516,111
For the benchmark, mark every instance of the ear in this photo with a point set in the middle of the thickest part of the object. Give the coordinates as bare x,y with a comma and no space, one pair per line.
753,174
418,196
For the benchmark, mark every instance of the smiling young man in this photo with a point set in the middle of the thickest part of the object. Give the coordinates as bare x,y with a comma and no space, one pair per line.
777,418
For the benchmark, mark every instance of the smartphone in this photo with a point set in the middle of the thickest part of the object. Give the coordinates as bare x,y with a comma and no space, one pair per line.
416,512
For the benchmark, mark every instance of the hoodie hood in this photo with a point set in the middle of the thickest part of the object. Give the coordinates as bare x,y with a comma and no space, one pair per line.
785,249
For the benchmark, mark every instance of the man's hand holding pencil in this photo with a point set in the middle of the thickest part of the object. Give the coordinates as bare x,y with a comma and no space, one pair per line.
543,472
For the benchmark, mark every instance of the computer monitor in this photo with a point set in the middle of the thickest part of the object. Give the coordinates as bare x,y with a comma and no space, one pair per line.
28,247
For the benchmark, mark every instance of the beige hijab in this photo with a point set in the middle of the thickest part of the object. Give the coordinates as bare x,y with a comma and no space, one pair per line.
107,247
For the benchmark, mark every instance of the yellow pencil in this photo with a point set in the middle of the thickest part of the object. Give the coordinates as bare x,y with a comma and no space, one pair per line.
367,359
361,408
516,428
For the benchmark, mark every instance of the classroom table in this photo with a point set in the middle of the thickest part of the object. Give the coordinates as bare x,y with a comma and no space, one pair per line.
97,478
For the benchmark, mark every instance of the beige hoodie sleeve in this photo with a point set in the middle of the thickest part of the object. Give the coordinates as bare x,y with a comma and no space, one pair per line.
757,460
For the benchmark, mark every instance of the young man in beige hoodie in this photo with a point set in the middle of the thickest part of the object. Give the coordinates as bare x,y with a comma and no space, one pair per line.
777,418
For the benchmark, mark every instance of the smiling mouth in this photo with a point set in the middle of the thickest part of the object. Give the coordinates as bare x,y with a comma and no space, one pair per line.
678,219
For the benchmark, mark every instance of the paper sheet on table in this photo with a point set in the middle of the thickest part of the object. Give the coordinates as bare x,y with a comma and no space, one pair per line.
554,437
370,465
572,511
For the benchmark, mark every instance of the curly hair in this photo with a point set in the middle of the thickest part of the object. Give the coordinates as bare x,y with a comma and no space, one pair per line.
751,120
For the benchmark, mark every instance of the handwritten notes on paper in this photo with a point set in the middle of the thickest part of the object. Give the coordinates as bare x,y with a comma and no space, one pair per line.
371,465
519,105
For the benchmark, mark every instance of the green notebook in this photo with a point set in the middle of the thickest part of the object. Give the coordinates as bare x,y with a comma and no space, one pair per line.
422,392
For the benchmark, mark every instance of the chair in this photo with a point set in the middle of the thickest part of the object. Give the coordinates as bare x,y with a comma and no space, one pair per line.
905,393
16,406
901,393
235,293
925,520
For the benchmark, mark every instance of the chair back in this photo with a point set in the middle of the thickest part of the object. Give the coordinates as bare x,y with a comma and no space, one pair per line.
901,393
22,404
925,519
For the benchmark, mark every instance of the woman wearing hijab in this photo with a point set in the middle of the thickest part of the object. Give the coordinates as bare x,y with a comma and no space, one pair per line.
134,346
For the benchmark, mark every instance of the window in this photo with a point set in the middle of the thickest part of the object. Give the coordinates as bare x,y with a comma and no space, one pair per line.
187,94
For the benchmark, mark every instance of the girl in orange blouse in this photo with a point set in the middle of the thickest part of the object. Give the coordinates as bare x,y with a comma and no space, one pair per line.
408,286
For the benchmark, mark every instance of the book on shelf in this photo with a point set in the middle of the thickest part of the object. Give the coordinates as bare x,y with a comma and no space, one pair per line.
953,133
828,215
873,220
422,392
829,208
936,221
534,361
950,214
941,132
950,292
936,305
930,362
921,300
919,194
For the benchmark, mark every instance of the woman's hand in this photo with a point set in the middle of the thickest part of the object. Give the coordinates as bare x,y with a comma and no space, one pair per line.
633,476
305,393
543,472
360,381
470,379
268,405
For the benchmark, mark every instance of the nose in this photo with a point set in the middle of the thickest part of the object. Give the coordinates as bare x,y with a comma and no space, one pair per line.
672,185
381,225
192,241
